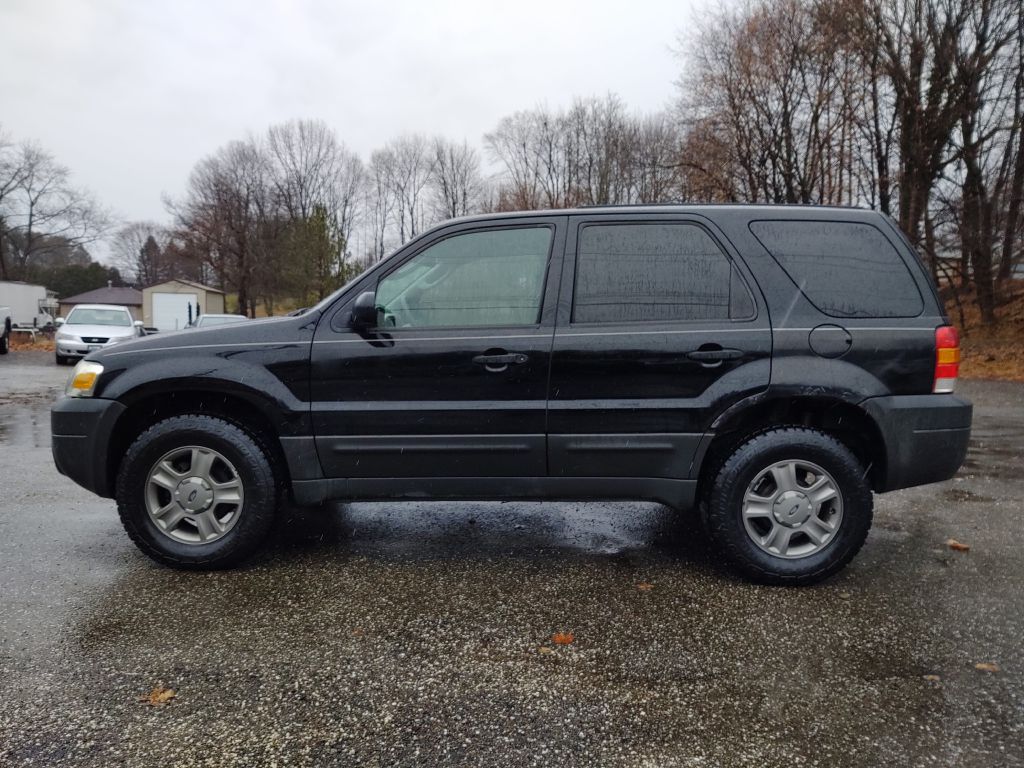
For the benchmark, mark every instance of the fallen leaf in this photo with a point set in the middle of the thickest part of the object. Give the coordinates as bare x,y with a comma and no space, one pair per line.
932,678
986,666
958,546
159,696
563,638
545,650
645,587
358,632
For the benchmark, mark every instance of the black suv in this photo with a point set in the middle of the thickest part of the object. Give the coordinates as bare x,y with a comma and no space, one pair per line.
771,366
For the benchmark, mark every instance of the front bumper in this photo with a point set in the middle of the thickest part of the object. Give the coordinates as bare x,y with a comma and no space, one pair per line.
81,349
80,431
74,349
925,437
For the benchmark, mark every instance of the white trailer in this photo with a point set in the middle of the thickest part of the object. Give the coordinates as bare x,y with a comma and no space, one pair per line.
29,304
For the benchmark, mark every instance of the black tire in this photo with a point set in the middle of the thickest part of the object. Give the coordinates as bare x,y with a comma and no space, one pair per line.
5,339
251,459
725,503
61,360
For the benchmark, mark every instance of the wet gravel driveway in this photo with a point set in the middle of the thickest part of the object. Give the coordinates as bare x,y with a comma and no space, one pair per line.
421,634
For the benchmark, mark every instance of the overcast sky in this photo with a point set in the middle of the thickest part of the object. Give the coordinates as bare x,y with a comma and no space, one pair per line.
131,93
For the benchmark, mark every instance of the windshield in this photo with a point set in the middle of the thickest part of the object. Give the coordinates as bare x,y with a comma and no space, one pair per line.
206,320
84,316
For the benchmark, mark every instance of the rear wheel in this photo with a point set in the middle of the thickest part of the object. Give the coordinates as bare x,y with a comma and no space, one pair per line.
197,492
5,339
790,506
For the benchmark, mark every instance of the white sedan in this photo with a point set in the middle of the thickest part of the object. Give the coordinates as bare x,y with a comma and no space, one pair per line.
89,327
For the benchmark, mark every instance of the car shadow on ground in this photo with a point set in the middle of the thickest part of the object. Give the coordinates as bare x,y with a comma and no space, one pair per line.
419,531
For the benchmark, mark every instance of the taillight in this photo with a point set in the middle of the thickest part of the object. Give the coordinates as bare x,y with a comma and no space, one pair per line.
947,358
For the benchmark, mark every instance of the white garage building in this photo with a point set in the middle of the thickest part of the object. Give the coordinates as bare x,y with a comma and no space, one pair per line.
170,306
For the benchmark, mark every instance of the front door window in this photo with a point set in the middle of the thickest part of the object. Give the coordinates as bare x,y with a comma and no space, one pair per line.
476,279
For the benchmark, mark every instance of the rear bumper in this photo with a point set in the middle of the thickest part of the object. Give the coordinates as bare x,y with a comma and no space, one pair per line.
925,437
80,430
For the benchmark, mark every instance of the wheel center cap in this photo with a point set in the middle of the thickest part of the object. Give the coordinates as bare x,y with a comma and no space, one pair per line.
193,494
792,508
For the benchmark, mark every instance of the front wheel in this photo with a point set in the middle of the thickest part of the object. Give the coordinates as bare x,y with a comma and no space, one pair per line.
790,506
197,492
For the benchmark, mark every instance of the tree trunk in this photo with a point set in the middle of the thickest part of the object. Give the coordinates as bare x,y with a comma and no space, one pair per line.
965,258
1016,197
243,286
983,282
976,233
3,251
929,246
1013,212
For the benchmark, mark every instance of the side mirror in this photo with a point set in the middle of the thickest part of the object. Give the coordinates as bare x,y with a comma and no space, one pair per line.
139,327
59,322
364,311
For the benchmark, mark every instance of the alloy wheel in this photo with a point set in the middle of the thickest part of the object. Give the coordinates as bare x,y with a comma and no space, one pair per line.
792,509
194,495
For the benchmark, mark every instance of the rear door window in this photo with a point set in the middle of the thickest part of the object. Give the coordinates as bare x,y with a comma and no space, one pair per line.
845,269
654,272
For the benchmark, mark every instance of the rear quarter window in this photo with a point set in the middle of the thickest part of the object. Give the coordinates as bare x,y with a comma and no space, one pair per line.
845,269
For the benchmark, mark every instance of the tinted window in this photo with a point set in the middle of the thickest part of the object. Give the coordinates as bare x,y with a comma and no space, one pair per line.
649,272
844,269
473,279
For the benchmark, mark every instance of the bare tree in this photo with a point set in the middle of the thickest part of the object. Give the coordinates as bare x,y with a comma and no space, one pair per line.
776,87
273,216
317,185
139,249
926,62
988,144
909,106
512,145
11,172
651,165
411,171
40,209
456,181
224,216
380,202
594,153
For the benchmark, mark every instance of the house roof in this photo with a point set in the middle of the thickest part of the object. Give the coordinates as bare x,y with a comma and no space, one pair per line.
129,297
200,286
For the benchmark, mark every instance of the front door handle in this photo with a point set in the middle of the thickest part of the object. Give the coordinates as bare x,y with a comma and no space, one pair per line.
500,361
713,357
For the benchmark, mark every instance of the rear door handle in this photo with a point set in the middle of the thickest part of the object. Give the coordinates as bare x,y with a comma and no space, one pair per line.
499,362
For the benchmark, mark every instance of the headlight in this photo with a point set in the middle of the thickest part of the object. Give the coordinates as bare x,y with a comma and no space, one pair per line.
66,337
83,379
